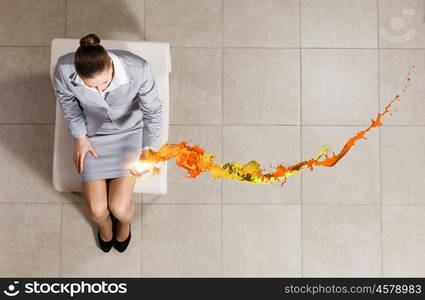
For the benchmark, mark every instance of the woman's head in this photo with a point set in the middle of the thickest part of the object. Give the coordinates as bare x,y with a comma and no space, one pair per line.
92,63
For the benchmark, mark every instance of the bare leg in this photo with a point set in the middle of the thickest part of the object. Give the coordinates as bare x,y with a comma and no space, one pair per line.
121,204
95,195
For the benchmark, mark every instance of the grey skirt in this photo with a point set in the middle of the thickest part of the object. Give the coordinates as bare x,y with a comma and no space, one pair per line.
117,150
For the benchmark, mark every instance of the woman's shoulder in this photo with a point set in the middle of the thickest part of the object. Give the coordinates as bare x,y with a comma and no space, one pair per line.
66,59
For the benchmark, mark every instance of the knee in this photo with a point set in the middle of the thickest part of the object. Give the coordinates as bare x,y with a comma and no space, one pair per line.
98,211
122,210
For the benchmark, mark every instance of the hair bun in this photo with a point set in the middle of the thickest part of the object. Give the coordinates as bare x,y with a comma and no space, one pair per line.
90,40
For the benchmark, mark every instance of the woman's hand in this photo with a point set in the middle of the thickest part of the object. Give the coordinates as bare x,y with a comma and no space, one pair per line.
141,158
82,146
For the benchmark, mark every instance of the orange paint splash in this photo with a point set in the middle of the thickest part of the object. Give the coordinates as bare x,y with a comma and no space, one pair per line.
196,161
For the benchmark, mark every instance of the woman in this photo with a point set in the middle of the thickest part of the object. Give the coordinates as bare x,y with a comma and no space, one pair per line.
112,107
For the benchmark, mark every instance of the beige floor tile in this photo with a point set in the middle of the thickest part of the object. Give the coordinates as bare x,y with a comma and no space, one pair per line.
403,150
261,86
404,241
269,146
26,164
202,189
81,255
31,22
109,19
184,23
181,240
401,24
339,23
195,85
339,86
27,92
341,241
270,23
354,179
394,68
261,241
31,240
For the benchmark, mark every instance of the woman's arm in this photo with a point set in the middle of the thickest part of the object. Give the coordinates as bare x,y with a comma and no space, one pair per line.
70,107
151,106
74,117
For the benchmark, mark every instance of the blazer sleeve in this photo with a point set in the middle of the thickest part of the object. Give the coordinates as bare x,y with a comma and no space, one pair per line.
151,106
71,109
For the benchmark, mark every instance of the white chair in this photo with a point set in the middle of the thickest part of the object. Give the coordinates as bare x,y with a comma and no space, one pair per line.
65,177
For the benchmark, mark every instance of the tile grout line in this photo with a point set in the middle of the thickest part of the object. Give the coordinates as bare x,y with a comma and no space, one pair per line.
222,140
247,47
60,239
141,235
144,20
283,48
66,14
243,47
218,125
301,146
380,143
286,48
288,125
230,203
62,200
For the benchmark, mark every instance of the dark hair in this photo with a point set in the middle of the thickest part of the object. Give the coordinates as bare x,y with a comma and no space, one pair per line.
91,58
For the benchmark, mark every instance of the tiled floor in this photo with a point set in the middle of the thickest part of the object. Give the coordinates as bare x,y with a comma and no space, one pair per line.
265,80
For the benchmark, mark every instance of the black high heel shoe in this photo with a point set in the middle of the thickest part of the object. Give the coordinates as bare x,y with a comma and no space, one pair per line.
106,246
121,246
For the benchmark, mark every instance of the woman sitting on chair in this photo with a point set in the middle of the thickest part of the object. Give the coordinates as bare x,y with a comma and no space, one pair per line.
113,111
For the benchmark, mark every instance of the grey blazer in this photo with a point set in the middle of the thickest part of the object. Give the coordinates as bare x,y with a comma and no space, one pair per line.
85,110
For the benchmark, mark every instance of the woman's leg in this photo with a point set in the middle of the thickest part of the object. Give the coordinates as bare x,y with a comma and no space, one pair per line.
121,203
95,195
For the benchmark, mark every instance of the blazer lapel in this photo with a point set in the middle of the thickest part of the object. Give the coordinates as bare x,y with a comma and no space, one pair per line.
124,90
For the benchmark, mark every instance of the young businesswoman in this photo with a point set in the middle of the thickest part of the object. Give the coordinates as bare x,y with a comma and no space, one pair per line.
101,155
